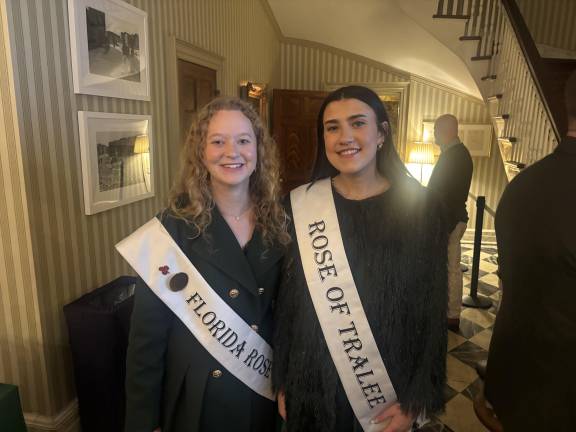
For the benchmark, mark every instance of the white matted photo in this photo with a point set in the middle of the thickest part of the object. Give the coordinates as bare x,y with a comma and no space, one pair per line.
117,163
476,137
109,48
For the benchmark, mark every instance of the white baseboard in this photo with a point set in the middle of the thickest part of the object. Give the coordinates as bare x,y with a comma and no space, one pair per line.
67,420
488,237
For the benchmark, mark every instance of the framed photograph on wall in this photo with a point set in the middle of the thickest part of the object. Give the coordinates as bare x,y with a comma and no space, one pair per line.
109,49
476,137
117,162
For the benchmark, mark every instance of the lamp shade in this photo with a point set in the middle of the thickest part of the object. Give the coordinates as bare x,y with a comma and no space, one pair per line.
421,153
141,144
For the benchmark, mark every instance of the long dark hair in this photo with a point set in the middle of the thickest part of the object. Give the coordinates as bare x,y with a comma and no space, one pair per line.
388,162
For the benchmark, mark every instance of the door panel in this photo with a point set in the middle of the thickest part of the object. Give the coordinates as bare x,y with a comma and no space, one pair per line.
294,115
196,87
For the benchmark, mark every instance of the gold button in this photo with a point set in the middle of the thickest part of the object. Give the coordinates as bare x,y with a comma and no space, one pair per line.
216,373
233,293
260,291
254,327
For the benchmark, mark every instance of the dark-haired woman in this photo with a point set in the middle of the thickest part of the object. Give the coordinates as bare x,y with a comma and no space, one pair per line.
394,253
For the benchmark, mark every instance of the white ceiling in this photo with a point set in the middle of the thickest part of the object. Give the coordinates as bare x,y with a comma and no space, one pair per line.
379,30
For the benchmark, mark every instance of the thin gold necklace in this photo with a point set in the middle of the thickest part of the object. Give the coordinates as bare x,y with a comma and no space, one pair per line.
237,218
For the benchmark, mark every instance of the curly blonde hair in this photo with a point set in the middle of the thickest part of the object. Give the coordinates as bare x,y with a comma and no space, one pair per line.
190,197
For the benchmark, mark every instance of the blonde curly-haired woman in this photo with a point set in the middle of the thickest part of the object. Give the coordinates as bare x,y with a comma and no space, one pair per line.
224,214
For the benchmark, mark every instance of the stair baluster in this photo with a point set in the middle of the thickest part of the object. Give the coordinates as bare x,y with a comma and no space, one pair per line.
467,28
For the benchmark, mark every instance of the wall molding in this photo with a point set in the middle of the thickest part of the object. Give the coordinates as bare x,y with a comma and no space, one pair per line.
350,55
178,49
273,20
67,420
443,87
404,75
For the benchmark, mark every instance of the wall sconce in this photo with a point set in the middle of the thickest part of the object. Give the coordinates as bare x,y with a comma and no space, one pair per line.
421,161
256,95
250,90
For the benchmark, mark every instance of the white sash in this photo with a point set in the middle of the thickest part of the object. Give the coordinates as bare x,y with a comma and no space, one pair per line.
337,303
156,257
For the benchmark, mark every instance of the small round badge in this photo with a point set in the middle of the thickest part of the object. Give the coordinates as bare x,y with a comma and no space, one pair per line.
178,282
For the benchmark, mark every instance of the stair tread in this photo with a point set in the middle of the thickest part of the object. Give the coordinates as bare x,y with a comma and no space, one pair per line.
465,17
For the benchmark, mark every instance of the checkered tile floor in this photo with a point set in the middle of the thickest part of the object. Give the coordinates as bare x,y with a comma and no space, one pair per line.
467,347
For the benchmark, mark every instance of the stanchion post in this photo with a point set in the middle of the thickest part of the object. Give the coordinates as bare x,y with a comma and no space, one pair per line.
473,300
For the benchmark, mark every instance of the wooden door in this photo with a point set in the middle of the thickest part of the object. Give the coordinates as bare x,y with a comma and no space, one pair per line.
294,116
196,87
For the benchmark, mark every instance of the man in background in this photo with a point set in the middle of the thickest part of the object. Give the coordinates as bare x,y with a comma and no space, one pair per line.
450,180
531,372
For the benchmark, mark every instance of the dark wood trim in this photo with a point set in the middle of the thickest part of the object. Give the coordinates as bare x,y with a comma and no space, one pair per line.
501,117
463,17
535,64
559,61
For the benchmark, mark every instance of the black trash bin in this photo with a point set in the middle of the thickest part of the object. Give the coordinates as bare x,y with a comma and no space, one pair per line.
98,326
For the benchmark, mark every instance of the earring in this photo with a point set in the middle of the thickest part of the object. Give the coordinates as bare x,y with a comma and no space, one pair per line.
379,146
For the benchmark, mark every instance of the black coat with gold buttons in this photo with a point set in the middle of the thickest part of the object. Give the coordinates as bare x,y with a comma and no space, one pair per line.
172,381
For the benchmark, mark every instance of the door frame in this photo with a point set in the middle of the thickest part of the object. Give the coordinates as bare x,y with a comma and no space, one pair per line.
178,49
400,89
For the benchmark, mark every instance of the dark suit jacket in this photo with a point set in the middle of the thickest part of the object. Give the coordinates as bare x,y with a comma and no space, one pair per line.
169,373
531,377
451,180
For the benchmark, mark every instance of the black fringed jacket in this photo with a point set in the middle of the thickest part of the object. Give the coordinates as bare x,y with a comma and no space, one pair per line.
396,244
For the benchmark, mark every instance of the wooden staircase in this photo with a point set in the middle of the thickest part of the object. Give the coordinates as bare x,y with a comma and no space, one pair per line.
524,92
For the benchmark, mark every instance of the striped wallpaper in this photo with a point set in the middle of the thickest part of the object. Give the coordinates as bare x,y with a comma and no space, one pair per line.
73,253
60,253
22,359
551,22
307,66
528,121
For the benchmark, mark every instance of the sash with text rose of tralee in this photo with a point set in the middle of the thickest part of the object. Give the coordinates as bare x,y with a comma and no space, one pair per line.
338,305
162,265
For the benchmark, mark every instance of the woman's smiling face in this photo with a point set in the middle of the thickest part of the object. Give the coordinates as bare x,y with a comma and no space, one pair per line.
351,136
230,152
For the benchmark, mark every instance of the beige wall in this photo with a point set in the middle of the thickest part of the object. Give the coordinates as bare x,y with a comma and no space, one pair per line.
551,22
22,360
307,66
73,253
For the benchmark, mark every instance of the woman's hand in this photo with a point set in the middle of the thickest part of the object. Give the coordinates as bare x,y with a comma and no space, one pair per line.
157,430
394,420
282,404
